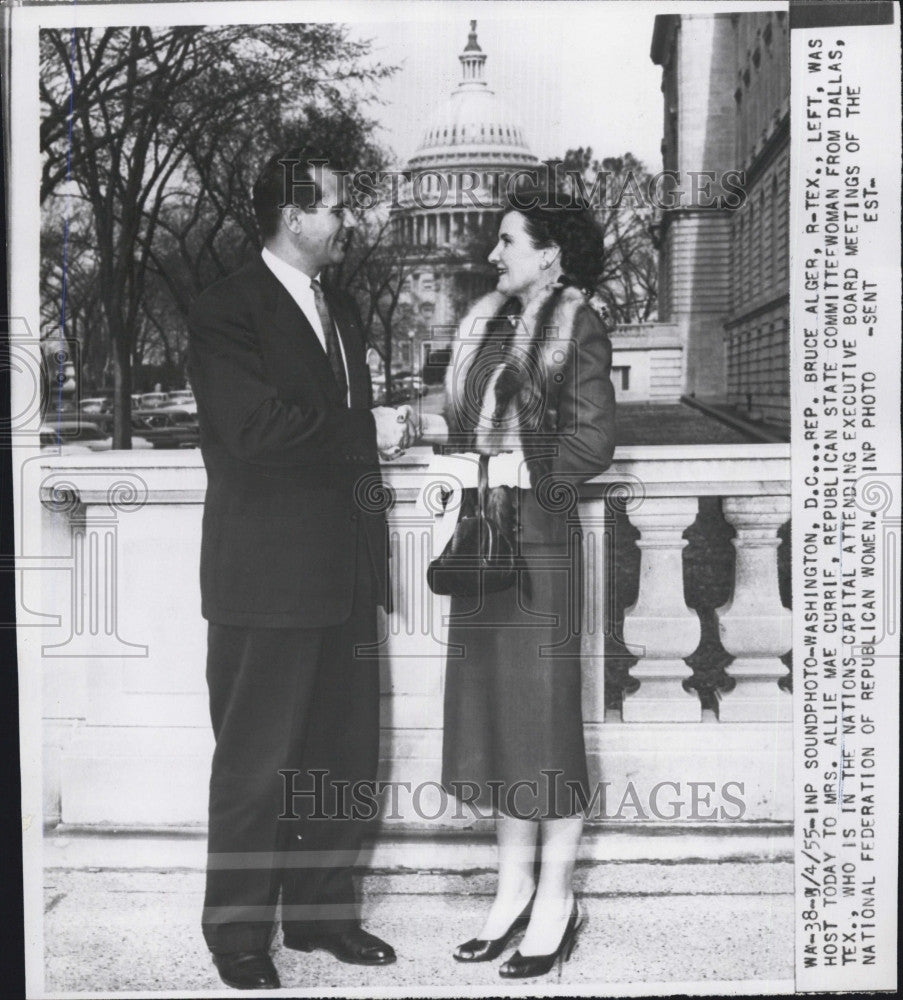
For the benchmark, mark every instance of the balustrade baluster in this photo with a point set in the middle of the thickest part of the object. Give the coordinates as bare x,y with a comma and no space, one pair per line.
660,620
754,625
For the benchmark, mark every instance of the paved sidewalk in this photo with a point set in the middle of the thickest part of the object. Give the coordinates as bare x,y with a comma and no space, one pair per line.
680,923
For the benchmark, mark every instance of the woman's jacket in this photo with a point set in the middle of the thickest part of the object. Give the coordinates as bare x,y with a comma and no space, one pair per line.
538,382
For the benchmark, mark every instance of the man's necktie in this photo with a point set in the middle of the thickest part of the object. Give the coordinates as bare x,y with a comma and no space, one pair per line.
333,349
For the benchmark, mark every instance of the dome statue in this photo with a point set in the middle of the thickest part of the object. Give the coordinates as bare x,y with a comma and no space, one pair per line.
451,201
474,127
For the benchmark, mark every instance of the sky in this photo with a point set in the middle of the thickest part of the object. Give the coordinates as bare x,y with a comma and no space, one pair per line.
573,74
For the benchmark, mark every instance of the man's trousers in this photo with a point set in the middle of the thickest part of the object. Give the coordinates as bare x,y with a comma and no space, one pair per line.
286,706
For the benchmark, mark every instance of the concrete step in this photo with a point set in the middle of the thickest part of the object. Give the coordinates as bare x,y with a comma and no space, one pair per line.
659,843
649,925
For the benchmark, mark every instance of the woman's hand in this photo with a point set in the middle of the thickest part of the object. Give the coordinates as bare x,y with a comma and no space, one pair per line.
488,447
490,439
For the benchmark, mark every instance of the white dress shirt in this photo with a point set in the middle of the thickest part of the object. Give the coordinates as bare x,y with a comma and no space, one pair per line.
297,284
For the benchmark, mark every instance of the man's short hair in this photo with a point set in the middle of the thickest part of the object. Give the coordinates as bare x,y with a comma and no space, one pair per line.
289,177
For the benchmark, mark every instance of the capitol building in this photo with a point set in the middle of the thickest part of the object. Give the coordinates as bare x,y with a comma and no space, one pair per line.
448,210
721,337
445,223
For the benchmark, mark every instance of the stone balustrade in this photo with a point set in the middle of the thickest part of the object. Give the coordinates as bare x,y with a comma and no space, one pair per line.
111,588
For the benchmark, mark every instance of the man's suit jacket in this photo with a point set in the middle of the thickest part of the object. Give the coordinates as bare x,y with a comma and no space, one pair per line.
291,469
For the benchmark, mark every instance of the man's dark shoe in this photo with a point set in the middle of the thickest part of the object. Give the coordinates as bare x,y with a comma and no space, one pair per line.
352,944
247,970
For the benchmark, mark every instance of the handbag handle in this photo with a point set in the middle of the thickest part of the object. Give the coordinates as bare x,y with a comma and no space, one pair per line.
483,484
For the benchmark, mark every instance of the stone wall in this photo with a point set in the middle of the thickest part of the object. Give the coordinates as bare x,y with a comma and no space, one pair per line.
111,623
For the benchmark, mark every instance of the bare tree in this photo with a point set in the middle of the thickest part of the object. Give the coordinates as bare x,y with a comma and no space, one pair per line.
208,228
619,191
375,272
128,116
72,316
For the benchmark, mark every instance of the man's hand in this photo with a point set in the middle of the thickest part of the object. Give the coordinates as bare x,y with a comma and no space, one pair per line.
412,420
396,430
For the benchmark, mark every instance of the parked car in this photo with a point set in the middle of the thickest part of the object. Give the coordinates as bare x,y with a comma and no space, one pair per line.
181,396
65,408
54,432
151,400
78,438
96,404
188,405
399,394
405,388
167,427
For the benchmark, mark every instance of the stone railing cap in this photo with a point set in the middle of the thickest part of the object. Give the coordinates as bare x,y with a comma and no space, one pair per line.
654,470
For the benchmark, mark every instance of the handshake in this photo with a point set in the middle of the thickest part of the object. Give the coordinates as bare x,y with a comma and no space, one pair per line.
396,430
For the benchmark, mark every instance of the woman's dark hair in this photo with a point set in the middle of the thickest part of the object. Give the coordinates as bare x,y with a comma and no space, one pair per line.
555,216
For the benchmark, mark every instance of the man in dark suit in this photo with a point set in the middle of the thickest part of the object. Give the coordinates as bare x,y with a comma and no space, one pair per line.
293,564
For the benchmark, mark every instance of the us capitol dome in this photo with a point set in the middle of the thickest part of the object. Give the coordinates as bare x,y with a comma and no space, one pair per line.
448,210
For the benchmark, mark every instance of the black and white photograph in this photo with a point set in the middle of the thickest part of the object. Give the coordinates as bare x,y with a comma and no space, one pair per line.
456,480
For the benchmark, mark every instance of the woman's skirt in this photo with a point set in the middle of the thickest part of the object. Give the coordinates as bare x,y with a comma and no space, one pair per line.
513,734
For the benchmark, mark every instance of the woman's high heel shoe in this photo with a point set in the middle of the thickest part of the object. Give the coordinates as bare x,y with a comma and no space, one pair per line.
483,950
524,966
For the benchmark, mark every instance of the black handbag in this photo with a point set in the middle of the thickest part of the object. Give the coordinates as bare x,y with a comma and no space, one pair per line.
479,557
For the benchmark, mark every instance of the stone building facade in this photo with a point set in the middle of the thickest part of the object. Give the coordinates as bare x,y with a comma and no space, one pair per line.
724,270
758,332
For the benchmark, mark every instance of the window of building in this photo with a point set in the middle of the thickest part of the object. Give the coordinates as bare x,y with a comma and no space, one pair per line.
622,373
758,247
768,240
776,209
748,252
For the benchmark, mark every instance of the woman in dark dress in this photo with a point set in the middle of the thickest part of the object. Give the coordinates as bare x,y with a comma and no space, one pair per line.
529,385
